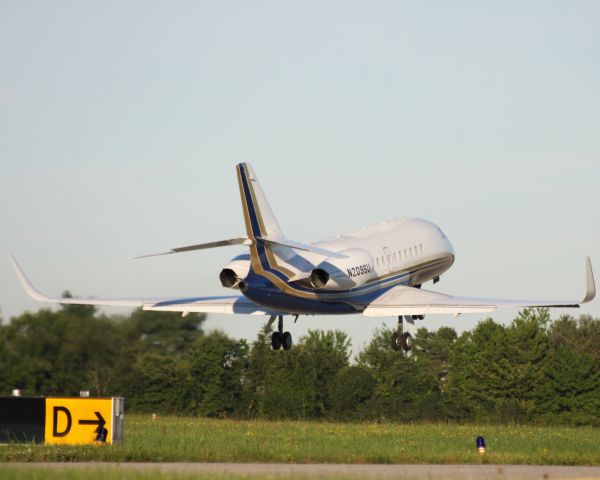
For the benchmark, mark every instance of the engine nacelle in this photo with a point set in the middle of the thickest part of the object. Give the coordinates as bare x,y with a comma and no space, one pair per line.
343,273
235,271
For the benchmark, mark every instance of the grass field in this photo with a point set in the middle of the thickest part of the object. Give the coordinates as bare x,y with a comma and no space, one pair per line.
45,473
111,473
14,473
202,440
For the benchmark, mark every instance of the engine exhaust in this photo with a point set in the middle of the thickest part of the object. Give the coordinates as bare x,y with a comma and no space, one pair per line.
319,278
228,278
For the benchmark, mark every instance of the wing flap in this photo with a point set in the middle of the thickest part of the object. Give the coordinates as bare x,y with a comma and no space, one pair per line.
403,300
235,304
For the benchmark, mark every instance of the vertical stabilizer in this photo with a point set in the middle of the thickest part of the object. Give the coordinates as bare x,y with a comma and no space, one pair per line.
259,218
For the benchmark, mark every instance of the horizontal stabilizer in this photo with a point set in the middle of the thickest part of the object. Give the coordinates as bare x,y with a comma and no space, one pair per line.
304,247
199,246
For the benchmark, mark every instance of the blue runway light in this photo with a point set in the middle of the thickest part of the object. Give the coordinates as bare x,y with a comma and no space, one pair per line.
480,442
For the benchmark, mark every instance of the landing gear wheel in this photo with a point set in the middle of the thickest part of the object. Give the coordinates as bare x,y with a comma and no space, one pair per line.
276,340
396,341
407,342
286,340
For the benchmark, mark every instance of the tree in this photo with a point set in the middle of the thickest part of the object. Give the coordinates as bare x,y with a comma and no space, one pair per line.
58,353
79,311
216,365
350,392
582,335
570,390
328,352
295,384
160,383
169,333
257,371
406,389
529,371
498,369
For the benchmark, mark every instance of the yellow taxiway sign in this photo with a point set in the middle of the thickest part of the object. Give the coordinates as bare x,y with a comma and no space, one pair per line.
78,420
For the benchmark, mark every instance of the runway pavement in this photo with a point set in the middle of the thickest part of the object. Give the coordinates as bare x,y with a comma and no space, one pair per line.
433,472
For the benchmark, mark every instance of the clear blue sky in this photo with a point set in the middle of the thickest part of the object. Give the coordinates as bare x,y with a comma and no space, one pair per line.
121,124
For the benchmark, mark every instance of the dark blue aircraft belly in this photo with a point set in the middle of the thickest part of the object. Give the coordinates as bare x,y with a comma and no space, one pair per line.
278,300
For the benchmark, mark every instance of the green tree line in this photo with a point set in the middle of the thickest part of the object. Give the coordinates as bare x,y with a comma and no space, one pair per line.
534,370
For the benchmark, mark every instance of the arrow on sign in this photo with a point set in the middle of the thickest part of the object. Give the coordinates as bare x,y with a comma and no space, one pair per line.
99,421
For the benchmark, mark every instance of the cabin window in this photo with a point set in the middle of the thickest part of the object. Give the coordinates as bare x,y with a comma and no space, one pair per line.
405,255
377,260
400,254
395,258
410,251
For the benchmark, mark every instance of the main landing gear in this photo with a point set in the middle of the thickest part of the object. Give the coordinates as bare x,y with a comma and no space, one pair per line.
401,339
279,338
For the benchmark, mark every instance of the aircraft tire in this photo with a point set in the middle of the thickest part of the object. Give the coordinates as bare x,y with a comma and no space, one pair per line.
396,341
407,342
286,340
276,340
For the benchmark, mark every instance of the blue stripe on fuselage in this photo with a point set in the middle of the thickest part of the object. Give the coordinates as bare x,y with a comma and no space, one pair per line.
262,291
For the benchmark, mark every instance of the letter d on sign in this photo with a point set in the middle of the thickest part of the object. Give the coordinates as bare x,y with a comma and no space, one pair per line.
55,432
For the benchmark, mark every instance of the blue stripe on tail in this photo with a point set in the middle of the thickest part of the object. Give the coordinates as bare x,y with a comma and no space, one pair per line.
252,209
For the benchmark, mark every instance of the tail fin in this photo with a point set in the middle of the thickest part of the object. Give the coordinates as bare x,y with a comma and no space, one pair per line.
259,218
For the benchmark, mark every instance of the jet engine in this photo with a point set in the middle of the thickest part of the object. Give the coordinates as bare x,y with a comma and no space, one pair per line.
235,271
343,273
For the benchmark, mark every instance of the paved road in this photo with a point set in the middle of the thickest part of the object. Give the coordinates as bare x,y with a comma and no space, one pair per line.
433,472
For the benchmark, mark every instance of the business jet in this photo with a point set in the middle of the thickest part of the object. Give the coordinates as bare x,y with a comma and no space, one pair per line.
375,271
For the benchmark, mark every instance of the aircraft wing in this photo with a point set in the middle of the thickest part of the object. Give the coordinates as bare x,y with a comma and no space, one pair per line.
236,304
403,300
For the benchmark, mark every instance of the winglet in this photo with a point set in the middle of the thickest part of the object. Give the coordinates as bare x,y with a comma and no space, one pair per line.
27,286
591,285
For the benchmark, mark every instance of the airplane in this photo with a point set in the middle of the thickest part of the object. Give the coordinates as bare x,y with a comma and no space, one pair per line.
375,271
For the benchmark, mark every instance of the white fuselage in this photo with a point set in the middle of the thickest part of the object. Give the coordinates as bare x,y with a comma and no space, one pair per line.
407,251
396,245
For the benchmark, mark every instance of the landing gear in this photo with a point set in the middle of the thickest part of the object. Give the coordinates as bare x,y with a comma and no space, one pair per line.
286,340
276,341
280,338
400,339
